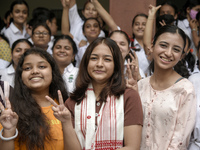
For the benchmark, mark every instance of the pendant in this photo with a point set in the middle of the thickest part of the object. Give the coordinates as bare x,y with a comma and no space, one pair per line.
98,103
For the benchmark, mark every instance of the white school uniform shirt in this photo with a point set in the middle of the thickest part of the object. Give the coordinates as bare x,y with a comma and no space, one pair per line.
3,64
195,138
8,75
3,30
13,33
76,25
184,25
142,59
69,76
50,44
81,52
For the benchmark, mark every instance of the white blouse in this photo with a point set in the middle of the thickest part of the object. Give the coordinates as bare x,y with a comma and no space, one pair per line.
195,138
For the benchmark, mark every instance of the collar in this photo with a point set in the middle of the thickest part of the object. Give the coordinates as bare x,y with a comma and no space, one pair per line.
136,44
16,30
69,68
87,44
125,62
186,23
52,38
10,69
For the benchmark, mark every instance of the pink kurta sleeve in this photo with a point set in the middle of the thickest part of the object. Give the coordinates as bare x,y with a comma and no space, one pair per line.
185,120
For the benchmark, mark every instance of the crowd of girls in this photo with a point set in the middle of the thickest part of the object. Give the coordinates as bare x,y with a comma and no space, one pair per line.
89,88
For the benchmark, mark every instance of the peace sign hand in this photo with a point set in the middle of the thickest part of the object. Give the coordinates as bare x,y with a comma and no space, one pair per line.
8,118
65,3
60,111
153,10
162,23
132,72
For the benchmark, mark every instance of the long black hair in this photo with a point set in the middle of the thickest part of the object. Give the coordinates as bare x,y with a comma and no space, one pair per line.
32,125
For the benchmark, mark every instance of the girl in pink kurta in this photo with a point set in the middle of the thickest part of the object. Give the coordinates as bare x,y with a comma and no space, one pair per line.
169,104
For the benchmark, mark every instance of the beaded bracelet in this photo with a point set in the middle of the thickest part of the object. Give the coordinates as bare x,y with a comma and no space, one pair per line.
10,138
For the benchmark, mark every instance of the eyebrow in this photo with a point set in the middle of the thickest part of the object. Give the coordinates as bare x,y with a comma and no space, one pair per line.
40,62
168,44
103,55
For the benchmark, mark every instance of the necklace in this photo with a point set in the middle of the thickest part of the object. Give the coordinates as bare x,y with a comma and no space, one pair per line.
98,103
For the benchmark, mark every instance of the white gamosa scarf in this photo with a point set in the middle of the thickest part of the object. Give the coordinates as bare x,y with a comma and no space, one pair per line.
110,122
4,92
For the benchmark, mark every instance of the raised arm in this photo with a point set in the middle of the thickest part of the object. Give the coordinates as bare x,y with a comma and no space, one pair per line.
72,3
8,120
71,141
148,32
65,17
105,15
194,30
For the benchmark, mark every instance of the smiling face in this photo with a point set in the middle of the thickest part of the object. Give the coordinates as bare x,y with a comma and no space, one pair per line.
167,50
101,64
121,42
41,37
91,29
139,26
19,13
63,52
37,73
18,51
89,11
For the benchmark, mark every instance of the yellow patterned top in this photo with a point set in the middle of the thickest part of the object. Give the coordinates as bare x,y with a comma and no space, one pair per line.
5,51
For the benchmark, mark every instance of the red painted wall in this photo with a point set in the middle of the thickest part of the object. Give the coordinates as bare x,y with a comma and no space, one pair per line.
123,11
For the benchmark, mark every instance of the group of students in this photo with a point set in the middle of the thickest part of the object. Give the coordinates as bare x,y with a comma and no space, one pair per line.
82,90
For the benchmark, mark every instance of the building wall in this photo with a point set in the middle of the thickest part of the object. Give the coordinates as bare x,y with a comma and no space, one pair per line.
123,12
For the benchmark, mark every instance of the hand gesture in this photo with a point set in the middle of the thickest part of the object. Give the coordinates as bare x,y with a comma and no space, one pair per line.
132,72
65,3
193,24
162,23
60,111
153,10
82,43
8,118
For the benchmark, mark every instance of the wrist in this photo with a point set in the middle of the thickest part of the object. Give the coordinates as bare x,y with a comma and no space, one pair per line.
67,124
66,7
139,78
8,132
194,29
7,136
